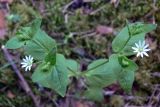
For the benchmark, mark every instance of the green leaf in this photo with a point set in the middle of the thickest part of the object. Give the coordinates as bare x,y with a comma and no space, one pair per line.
51,56
42,75
102,72
132,65
14,43
54,77
60,77
27,33
35,25
126,76
127,49
126,79
97,63
120,40
35,50
40,46
130,35
45,41
24,34
150,27
73,67
94,93
139,27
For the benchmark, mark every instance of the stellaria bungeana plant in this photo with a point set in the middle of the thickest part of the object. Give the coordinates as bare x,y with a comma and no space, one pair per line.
54,70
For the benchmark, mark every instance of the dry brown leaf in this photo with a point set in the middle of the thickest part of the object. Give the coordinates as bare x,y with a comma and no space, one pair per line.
104,29
88,0
113,1
10,95
2,19
7,1
2,24
81,104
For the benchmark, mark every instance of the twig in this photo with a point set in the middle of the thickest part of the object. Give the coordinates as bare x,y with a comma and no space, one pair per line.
66,6
153,11
23,2
24,84
88,35
49,95
151,98
97,10
83,33
117,3
33,3
156,74
158,100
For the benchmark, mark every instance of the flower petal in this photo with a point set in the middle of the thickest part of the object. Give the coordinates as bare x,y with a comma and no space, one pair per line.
138,54
24,60
23,66
146,50
29,68
145,54
135,51
137,45
26,68
23,63
134,48
145,46
141,54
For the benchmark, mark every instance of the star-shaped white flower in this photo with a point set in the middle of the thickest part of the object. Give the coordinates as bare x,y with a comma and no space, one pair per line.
27,62
141,49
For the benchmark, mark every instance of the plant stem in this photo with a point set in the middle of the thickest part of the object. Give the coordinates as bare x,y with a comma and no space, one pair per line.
96,66
128,28
75,74
128,37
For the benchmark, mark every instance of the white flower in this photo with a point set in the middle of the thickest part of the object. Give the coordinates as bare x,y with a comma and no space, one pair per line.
27,62
141,48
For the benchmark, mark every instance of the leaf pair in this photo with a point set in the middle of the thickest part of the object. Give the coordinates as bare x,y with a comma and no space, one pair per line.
129,35
40,46
126,76
35,42
23,35
53,76
52,72
104,72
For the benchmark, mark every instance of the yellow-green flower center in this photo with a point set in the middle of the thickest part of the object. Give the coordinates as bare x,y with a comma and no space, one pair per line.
140,49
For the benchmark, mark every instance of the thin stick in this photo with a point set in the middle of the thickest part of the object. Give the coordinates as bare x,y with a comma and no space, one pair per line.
151,98
24,84
97,10
67,6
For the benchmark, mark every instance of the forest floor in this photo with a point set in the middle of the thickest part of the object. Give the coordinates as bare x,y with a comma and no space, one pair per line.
85,30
